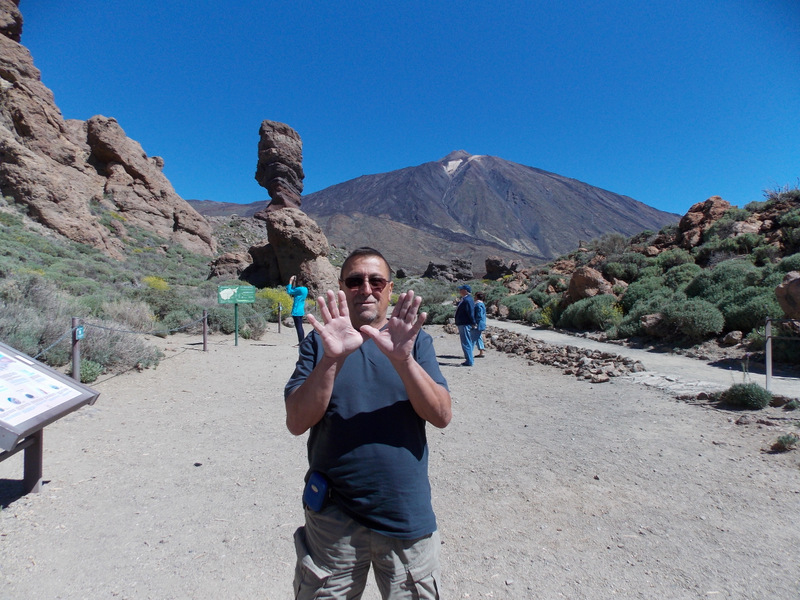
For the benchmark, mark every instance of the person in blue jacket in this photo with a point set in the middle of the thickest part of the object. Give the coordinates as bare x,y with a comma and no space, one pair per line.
480,321
298,295
465,321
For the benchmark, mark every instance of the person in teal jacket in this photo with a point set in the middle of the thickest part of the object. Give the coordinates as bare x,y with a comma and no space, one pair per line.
299,295
480,320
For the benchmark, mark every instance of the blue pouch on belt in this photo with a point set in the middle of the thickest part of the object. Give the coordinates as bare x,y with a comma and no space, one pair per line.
316,491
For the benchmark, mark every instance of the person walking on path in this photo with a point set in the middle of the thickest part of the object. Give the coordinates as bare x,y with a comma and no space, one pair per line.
465,321
480,321
366,386
298,295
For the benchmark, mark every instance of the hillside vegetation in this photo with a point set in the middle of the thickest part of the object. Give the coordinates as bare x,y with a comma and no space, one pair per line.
724,284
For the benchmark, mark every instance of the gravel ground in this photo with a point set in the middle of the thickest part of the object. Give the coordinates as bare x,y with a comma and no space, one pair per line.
183,482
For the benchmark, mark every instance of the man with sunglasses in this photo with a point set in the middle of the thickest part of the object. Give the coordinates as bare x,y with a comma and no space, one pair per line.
366,384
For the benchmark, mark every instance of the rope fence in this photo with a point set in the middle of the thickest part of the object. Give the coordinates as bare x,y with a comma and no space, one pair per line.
76,332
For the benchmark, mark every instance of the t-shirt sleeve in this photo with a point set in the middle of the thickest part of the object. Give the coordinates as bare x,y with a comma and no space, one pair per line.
425,355
306,360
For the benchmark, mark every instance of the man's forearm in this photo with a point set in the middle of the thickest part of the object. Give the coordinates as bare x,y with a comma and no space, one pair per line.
307,404
430,400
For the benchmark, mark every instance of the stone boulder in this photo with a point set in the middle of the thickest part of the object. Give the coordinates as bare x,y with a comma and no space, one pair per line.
59,169
700,217
296,246
497,267
457,270
230,265
788,295
585,283
280,164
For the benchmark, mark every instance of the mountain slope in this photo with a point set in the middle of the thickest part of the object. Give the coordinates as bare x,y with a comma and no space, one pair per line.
467,207
476,205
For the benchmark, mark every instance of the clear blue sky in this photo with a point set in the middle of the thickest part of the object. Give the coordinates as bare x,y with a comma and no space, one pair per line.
668,102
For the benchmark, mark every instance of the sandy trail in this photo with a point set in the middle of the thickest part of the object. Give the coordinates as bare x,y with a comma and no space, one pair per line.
183,482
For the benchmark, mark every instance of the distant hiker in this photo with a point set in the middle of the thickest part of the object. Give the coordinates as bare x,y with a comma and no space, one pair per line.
480,321
298,295
465,321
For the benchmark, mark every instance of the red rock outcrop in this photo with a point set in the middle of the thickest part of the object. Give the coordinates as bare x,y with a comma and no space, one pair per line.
280,164
585,283
68,172
700,217
788,295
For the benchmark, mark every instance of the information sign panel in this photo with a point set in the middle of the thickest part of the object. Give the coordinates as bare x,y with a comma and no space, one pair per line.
236,294
33,395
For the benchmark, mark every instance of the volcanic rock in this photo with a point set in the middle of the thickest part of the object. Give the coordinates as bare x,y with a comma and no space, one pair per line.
700,217
497,267
585,283
457,270
297,246
788,295
280,164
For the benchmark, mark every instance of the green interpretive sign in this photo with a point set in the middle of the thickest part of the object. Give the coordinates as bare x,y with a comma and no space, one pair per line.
236,294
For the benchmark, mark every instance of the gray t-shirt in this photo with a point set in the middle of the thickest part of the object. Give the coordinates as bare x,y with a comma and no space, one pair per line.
371,444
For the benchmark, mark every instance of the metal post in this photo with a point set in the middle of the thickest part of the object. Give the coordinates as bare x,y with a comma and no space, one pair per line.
205,331
32,464
280,318
768,357
236,324
76,350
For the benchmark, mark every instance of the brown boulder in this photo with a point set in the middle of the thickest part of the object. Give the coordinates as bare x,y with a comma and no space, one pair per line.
788,295
497,267
300,248
585,283
230,265
280,164
700,217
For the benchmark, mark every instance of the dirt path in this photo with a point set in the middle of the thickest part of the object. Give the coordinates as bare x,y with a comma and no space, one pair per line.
672,372
182,482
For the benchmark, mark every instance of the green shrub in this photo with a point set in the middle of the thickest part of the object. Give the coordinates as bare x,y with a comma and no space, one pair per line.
674,257
595,313
679,276
90,370
785,443
609,243
438,314
790,218
618,270
722,281
749,308
519,305
749,396
639,290
693,319
790,263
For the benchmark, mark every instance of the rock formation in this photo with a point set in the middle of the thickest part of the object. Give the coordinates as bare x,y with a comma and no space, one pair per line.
280,164
71,173
788,295
295,243
457,270
585,283
700,217
497,267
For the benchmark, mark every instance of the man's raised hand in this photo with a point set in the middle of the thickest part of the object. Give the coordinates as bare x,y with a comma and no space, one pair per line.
339,338
396,340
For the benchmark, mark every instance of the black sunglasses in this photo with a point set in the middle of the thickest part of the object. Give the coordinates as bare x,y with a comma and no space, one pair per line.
356,281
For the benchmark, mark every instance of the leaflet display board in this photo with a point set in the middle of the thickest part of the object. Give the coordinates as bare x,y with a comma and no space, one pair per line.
32,395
